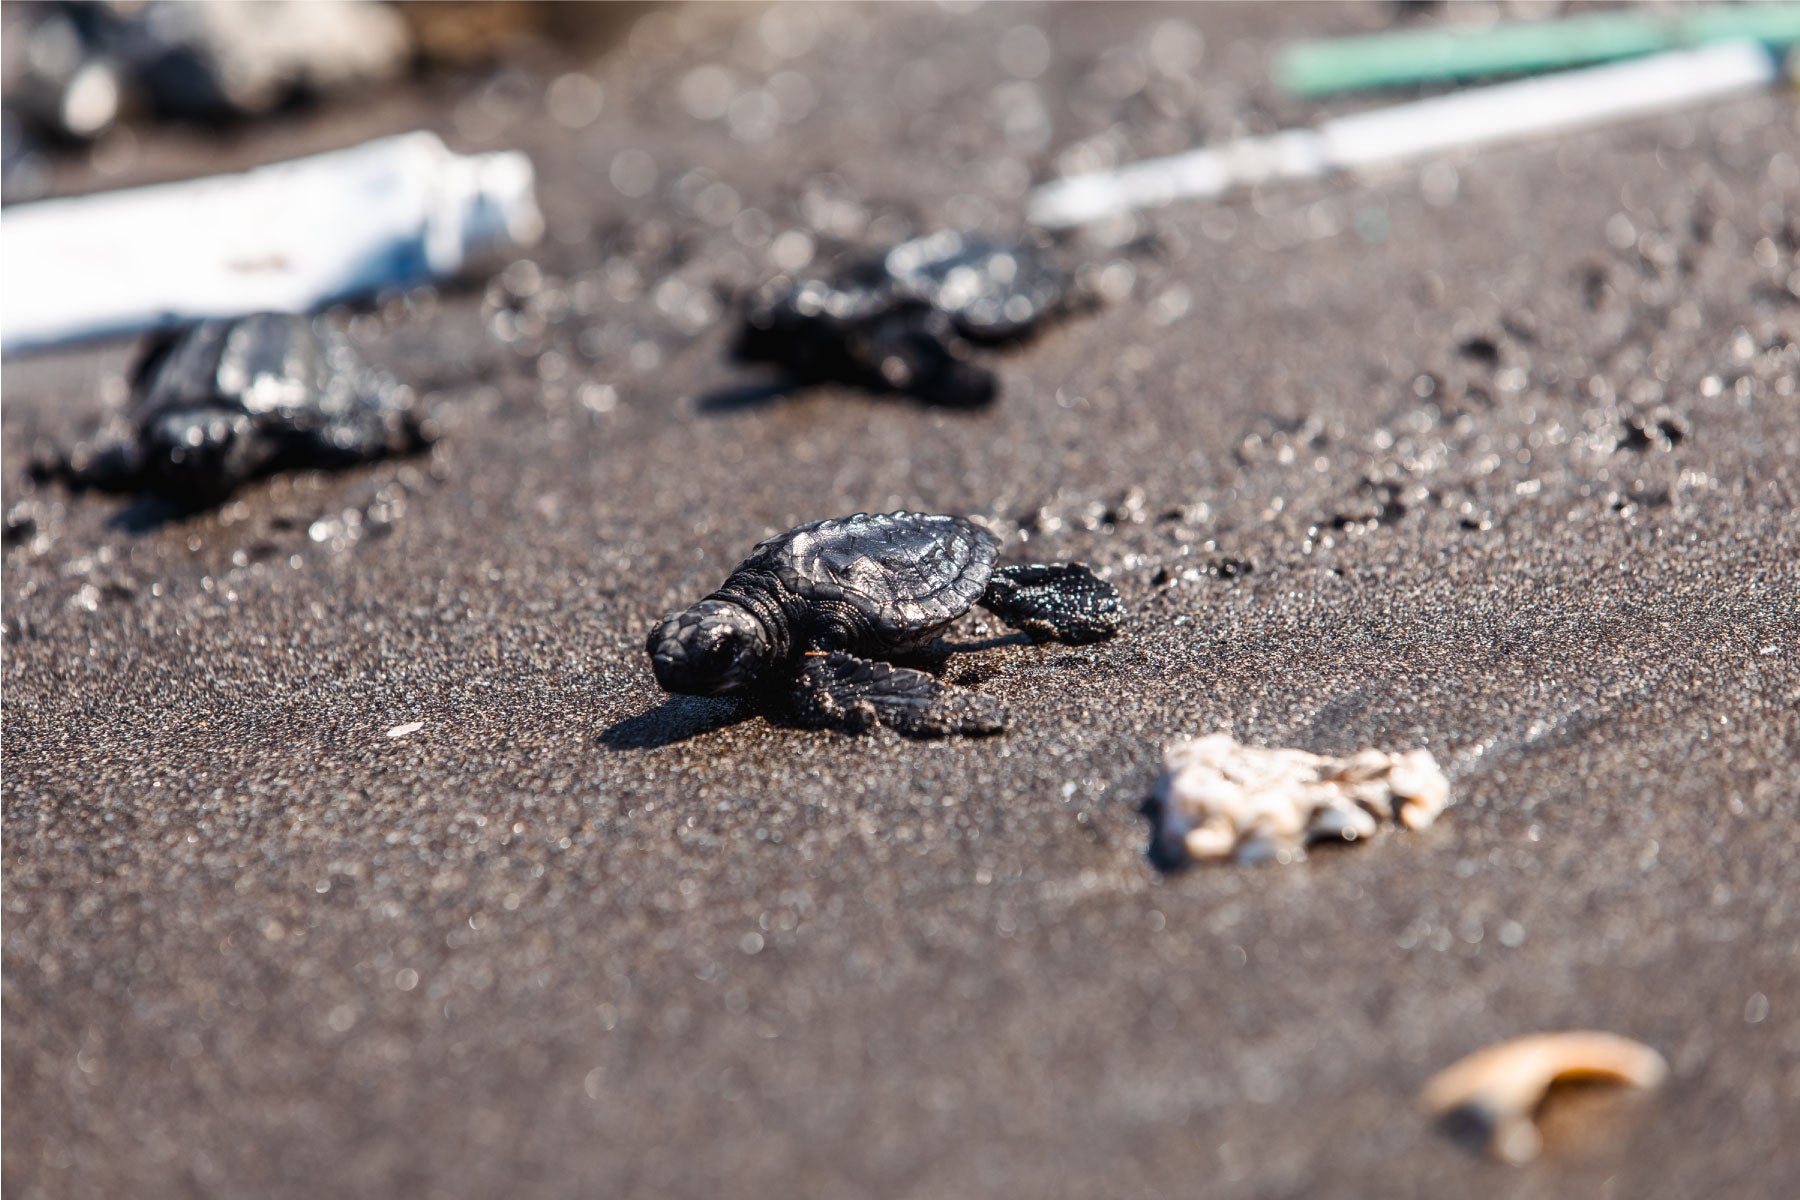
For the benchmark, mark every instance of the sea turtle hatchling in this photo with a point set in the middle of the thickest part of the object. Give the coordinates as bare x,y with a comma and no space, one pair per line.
806,618
220,403
906,321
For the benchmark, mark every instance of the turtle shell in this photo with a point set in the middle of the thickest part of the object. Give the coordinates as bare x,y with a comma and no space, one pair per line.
281,370
993,288
908,574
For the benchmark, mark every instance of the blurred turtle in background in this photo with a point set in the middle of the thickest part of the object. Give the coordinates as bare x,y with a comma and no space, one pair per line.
224,402
908,321
73,70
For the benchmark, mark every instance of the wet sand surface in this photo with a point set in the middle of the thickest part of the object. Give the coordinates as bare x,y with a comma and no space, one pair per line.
1361,457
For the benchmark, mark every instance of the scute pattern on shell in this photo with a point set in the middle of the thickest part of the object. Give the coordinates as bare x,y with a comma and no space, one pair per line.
908,573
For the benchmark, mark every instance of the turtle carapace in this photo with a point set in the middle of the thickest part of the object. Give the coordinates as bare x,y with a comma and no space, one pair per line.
811,616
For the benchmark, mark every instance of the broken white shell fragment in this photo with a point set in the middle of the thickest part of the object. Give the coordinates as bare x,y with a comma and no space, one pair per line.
1501,1087
1221,799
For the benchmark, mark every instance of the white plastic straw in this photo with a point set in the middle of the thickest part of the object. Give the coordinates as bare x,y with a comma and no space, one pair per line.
1545,104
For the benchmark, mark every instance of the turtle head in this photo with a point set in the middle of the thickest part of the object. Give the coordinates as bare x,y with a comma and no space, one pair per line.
199,450
715,648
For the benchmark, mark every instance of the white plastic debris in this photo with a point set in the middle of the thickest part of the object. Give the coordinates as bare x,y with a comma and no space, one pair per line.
1221,799
289,237
1526,107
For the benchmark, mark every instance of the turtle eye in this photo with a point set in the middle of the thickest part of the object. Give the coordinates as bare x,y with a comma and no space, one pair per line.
722,652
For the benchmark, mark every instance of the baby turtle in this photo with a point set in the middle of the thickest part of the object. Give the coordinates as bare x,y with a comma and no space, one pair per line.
224,402
905,322
804,619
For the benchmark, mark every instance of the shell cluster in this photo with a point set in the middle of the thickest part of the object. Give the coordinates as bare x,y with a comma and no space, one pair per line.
1221,799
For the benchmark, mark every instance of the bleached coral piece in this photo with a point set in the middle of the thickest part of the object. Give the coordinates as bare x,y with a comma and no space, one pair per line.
1221,799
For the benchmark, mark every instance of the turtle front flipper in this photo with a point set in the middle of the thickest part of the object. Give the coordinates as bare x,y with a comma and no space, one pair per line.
1064,602
112,462
841,691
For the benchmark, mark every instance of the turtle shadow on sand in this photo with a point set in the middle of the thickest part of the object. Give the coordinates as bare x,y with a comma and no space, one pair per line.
676,719
148,513
141,512
681,718
749,396
940,650
741,397
142,515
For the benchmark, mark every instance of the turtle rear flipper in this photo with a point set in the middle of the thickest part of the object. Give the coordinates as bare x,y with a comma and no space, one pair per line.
1064,602
352,438
841,691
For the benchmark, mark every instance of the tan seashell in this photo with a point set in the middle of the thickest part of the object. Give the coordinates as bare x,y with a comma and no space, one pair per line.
1503,1085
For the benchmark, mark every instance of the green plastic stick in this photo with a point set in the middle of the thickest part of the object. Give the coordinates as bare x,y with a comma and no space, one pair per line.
1318,68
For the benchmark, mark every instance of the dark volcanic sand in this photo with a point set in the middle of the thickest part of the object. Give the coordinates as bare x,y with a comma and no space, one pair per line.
573,938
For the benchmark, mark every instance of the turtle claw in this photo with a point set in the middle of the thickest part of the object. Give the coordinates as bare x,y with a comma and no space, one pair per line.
1062,602
841,691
